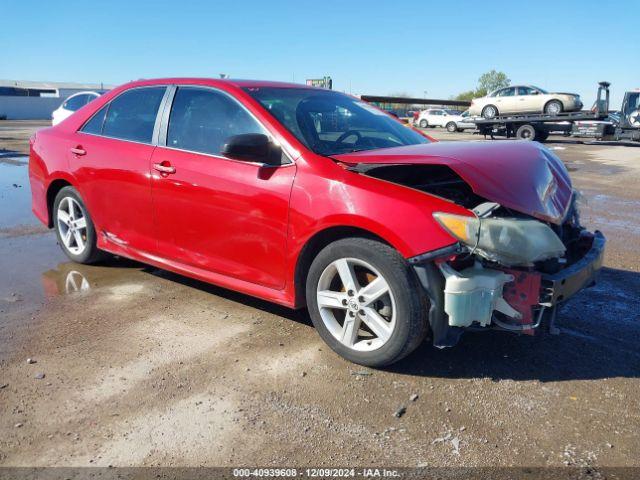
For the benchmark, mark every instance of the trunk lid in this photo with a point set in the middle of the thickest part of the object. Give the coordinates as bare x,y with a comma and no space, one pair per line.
520,175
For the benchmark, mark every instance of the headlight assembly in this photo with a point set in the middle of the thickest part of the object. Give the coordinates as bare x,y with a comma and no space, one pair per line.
508,241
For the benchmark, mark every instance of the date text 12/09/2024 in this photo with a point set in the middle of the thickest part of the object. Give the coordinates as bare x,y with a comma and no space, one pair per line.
316,472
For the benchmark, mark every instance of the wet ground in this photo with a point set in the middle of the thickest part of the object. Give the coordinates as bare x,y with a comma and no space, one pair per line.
137,366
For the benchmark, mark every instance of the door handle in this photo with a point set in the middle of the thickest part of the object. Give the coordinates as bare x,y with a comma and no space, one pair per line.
166,169
78,151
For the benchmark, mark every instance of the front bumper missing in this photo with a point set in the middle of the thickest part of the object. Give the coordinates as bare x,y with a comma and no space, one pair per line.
549,290
561,286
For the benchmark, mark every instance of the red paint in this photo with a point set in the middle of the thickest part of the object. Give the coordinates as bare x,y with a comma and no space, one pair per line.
243,227
523,294
513,174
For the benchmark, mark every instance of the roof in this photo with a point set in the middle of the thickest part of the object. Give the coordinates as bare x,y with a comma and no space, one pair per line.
241,83
52,85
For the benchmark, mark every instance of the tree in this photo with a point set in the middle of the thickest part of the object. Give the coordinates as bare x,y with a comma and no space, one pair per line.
490,81
466,96
487,82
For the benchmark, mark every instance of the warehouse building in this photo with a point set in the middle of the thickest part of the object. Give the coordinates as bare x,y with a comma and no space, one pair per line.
25,100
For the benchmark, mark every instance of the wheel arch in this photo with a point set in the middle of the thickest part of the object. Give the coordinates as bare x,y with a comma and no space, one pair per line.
544,107
52,190
487,106
315,244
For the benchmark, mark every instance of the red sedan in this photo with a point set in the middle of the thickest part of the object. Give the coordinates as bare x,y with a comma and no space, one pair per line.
312,198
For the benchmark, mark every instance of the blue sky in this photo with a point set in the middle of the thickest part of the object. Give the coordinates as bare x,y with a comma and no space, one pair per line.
369,47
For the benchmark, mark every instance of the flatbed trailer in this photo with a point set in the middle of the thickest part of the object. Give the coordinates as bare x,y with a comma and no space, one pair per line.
538,126
593,124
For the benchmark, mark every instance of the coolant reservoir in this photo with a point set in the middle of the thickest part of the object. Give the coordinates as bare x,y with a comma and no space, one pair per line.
472,294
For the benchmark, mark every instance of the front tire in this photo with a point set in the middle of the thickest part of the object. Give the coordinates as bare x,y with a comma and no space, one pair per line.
366,302
74,227
554,107
451,127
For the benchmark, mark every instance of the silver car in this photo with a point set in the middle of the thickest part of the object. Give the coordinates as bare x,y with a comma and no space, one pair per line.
524,99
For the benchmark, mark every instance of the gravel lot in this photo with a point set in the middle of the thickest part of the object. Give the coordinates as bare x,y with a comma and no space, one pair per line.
131,365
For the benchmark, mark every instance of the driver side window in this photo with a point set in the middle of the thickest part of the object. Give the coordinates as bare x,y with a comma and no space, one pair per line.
202,119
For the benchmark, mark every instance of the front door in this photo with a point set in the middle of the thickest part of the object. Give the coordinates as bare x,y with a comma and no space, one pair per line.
527,100
505,100
215,213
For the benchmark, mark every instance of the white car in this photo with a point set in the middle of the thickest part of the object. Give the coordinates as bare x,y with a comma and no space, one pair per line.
71,104
524,99
440,117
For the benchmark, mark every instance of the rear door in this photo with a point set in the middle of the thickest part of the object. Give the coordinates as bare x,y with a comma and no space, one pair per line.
111,161
215,213
505,100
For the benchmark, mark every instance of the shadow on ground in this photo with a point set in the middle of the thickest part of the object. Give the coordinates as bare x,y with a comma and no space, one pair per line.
600,338
600,332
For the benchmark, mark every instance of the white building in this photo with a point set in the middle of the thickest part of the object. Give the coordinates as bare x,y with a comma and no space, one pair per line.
25,100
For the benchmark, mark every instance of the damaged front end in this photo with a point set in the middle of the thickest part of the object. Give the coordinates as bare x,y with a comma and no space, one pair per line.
507,272
521,249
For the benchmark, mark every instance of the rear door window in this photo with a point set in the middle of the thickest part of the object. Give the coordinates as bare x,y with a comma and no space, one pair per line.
507,92
132,115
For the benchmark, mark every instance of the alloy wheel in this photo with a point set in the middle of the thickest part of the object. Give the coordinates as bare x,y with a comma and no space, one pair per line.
72,225
356,304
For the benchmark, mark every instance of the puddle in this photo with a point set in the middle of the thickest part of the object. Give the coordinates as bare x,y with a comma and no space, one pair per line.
15,196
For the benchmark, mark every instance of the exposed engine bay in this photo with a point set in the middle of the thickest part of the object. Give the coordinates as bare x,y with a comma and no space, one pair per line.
507,268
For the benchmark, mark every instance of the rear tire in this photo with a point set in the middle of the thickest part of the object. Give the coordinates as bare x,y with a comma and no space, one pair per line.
451,127
526,132
423,123
542,136
372,330
489,112
74,228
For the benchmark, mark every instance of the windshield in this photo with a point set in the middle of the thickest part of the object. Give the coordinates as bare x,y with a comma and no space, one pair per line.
330,123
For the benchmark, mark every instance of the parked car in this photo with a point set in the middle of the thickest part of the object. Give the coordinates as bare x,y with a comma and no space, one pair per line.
452,120
71,104
464,122
437,117
524,99
312,198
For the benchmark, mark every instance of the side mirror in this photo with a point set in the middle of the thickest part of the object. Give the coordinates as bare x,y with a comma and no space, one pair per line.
535,92
252,147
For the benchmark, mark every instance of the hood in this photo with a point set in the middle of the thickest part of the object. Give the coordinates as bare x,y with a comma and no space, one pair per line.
520,175
564,93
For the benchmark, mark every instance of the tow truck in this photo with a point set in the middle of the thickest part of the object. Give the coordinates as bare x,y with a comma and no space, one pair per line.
597,123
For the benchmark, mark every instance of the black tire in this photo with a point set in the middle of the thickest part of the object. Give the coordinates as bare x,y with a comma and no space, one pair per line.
91,253
451,127
526,132
411,302
541,136
553,107
423,123
489,112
